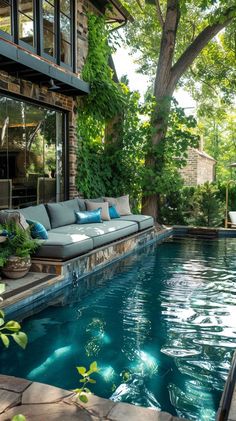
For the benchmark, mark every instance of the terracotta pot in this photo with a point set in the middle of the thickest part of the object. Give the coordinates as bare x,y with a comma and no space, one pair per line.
16,267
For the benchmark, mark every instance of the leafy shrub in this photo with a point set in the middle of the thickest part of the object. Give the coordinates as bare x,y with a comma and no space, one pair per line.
201,205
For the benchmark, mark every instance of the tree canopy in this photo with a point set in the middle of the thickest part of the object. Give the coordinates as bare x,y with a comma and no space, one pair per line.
180,42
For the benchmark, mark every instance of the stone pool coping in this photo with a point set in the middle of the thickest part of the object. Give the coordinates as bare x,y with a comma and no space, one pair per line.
38,402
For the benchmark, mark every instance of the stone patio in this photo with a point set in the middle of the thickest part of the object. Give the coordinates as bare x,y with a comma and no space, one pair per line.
37,401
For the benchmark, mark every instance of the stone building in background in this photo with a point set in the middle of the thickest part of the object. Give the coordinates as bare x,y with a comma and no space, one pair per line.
200,168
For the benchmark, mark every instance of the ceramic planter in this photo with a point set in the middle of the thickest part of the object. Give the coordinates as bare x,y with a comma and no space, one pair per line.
16,267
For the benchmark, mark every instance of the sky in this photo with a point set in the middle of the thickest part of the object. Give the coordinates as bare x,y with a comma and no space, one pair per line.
125,65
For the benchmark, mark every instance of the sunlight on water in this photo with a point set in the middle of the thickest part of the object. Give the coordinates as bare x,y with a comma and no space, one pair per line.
160,324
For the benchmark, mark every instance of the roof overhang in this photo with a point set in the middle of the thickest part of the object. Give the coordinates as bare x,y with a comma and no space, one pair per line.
117,13
22,64
113,10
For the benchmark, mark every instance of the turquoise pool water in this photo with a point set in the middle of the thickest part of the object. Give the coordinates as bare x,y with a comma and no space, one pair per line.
166,316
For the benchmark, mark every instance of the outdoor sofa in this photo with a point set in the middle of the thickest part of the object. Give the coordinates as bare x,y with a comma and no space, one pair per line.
68,239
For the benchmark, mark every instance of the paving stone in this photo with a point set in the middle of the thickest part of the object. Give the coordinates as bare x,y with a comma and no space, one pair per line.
98,406
15,384
125,411
8,399
43,393
49,412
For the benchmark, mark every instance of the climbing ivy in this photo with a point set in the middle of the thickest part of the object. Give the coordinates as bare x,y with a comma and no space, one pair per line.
106,98
114,164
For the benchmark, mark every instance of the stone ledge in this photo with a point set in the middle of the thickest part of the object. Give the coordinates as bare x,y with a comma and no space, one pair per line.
38,401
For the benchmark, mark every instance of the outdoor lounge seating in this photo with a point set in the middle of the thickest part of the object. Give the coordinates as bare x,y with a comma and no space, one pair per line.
68,239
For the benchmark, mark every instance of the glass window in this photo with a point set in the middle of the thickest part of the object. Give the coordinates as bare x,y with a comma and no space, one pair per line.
5,16
31,154
26,21
65,7
65,32
49,28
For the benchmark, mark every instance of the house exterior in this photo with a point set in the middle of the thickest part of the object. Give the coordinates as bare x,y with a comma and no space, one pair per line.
200,168
43,47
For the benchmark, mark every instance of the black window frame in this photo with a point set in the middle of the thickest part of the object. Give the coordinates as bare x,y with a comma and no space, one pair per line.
38,47
17,13
65,132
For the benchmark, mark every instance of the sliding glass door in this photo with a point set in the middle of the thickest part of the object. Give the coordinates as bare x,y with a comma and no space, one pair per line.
31,154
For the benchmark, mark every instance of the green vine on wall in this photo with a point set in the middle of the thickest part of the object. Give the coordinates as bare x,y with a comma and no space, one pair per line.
106,98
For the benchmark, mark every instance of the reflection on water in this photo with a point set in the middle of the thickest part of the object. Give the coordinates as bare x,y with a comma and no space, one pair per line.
160,324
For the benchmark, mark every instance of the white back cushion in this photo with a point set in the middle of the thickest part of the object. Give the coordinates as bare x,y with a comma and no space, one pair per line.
232,215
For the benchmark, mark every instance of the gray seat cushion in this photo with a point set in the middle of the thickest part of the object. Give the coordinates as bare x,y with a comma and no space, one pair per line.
64,246
62,213
143,221
37,213
102,233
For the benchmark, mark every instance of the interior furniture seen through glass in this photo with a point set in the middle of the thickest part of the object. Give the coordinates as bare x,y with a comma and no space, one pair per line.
31,154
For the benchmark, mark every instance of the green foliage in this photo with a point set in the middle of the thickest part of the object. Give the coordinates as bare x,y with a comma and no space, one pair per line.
106,97
85,380
201,205
208,209
18,242
215,65
11,329
18,417
162,175
113,167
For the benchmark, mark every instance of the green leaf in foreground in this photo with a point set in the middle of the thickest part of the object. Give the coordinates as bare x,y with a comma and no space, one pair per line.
81,370
83,398
18,417
21,339
13,326
5,340
93,367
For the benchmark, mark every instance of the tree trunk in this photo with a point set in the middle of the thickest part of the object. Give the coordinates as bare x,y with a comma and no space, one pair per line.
163,92
167,77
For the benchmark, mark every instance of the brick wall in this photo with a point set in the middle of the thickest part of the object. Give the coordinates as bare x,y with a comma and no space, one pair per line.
189,172
199,168
206,170
36,92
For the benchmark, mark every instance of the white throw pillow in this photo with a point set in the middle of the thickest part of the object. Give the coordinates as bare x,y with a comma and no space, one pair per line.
232,215
121,203
95,205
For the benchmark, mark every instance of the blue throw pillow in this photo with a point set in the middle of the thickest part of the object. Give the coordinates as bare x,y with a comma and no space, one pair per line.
88,217
37,230
113,212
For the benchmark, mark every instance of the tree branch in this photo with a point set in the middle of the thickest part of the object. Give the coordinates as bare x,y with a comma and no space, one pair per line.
194,49
159,14
167,47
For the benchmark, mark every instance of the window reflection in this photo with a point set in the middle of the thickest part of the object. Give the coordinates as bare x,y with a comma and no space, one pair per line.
31,153
49,27
5,16
26,21
65,31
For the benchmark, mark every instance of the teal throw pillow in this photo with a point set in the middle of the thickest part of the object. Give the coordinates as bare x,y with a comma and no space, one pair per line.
89,217
113,212
37,230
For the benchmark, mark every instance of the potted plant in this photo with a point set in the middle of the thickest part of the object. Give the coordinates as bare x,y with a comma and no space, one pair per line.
16,247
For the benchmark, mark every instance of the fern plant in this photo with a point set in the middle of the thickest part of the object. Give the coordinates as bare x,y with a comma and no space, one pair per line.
18,242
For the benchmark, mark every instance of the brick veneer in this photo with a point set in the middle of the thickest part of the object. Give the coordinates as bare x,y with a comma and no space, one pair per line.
199,168
41,94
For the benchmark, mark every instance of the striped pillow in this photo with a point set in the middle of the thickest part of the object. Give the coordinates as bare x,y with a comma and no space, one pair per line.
37,230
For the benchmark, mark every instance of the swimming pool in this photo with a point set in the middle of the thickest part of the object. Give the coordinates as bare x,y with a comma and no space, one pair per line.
164,316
